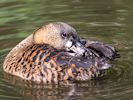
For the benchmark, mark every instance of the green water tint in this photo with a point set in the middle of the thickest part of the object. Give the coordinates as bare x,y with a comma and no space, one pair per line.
109,21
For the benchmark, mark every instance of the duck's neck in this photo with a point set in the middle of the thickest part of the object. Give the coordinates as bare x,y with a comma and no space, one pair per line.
20,48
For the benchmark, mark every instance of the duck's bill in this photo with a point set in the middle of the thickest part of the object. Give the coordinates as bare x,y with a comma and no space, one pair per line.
75,47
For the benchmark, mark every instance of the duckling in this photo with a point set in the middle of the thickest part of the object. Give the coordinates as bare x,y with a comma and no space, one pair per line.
54,53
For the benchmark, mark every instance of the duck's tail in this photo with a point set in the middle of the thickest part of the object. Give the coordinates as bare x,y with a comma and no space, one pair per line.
103,50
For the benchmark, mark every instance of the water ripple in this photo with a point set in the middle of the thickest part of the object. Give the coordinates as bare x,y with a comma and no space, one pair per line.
106,24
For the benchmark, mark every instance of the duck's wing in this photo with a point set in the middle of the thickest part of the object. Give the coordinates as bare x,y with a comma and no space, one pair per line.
80,68
102,49
90,61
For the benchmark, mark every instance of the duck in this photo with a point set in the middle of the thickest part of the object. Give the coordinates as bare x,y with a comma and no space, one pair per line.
54,53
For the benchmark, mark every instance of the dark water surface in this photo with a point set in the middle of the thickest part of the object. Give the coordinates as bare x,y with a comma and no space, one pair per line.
110,21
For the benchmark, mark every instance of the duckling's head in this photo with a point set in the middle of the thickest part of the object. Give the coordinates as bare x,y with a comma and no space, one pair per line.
60,36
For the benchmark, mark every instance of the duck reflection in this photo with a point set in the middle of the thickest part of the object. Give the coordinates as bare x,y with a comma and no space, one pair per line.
71,91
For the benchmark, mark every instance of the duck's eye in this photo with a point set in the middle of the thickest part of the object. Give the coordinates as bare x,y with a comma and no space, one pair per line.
64,34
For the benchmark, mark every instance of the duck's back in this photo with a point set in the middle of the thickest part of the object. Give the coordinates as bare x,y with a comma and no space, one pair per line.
31,63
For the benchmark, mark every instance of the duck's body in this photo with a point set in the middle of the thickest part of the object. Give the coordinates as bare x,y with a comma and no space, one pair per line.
49,62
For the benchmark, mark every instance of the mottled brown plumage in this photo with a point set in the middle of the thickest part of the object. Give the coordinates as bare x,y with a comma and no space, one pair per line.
55,54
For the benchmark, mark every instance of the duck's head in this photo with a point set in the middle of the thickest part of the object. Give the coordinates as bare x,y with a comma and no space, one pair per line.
61,36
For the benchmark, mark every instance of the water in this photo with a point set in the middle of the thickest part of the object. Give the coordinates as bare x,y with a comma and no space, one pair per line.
104,20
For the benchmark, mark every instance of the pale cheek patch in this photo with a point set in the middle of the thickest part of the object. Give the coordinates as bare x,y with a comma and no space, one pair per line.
68,44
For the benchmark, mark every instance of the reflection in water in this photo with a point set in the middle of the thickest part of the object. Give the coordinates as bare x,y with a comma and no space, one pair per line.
87,90
54,92
41,91
107,20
